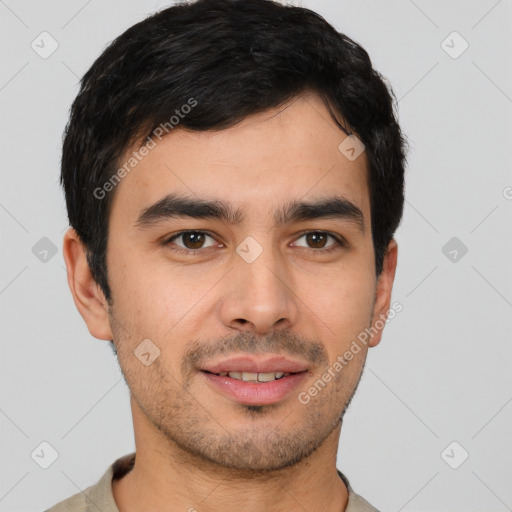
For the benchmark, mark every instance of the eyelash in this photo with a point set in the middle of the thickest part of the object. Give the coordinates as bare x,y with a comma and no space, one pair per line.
340,242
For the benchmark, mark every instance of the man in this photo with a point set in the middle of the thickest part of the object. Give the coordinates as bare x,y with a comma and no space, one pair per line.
233,173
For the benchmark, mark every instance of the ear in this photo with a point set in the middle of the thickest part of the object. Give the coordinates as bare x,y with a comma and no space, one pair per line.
383,292
87,294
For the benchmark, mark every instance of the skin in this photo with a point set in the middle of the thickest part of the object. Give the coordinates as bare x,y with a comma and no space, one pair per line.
195,447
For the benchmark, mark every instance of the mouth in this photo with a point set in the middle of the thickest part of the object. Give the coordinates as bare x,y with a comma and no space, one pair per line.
254,388
250,364
255,380
254,376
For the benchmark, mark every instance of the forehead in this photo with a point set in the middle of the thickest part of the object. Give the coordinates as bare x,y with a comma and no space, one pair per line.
284,154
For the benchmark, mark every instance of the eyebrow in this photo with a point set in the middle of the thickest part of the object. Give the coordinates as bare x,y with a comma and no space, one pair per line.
177,206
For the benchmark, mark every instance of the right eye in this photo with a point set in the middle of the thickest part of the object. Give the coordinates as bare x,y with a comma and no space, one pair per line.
192,241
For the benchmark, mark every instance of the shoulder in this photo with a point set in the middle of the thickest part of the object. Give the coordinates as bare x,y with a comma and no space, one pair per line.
355,502
75,503
98,496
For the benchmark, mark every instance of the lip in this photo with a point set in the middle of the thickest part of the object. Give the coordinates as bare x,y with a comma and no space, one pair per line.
256,365
249,393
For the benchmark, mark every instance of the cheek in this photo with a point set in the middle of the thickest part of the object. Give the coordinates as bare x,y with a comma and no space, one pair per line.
342,312
156,301
341,300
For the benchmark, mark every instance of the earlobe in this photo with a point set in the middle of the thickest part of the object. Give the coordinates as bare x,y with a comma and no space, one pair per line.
87,295
383,292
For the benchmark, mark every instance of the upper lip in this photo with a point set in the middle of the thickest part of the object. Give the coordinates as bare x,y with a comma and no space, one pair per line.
256,365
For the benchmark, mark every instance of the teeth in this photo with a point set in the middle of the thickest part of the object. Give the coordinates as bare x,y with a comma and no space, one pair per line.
267,377
255,377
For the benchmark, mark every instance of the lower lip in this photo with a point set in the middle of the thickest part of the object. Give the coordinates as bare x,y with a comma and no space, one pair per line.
251,393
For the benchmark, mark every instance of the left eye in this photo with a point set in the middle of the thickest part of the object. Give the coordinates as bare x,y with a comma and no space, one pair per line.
318,239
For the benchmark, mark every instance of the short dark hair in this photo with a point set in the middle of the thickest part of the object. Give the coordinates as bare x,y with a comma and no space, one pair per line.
233,58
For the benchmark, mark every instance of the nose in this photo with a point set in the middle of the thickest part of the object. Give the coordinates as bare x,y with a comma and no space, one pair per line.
259,295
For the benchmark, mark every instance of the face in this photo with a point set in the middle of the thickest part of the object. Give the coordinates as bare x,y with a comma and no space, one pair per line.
249,284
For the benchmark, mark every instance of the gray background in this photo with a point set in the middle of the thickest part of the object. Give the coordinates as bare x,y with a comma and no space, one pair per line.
442,371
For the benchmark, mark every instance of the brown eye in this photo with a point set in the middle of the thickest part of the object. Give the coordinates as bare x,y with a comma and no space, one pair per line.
190,240
193,240
318,240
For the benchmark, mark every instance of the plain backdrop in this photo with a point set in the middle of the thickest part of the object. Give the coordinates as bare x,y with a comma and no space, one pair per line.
429,427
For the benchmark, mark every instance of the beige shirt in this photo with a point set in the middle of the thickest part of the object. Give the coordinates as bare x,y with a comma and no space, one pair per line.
99,497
